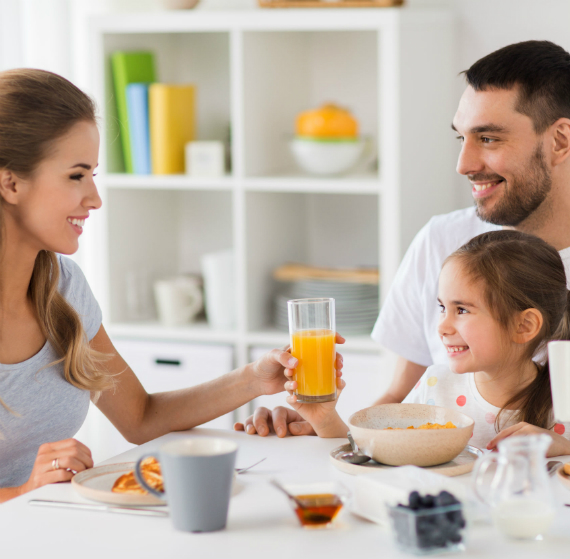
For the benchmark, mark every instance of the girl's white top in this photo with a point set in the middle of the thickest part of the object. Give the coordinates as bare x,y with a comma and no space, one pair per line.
439,386
45,407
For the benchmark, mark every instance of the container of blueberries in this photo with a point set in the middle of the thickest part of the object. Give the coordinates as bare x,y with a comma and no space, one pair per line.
429,524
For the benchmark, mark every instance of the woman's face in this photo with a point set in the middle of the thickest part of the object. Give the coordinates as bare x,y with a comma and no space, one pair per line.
474,339
55,201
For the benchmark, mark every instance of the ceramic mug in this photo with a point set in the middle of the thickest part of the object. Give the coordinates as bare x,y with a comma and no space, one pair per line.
559,366
198,475
178,300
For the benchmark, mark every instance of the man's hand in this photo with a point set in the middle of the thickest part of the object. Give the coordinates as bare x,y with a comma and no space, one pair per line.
559,447
280,421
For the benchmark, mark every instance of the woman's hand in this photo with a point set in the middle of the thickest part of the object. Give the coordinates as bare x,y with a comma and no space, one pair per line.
559,447
69,455
269,369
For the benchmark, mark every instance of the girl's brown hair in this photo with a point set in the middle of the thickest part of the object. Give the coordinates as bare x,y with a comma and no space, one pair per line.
36,109
519,272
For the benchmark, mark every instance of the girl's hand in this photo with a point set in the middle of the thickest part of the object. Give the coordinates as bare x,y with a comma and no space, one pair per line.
71,456
322,417
559,447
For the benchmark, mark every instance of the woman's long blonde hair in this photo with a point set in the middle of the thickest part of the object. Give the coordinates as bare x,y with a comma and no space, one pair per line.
36,109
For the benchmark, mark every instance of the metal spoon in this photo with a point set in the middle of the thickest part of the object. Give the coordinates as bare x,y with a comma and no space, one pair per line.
552,466
354,457
276,484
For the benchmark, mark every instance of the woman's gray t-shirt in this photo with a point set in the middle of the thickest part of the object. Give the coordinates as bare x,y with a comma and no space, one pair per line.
48,408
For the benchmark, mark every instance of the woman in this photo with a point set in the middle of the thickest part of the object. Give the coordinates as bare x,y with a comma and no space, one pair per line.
54,351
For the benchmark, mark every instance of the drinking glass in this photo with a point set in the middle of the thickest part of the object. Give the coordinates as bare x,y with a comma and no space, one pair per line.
559,365
313,333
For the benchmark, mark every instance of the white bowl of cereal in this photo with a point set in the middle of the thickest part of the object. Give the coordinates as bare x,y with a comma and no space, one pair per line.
398,434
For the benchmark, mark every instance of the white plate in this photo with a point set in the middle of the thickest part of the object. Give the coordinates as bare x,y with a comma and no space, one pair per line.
461,464
96,484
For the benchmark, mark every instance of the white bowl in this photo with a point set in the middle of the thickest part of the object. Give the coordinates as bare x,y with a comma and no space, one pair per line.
419,447
326,157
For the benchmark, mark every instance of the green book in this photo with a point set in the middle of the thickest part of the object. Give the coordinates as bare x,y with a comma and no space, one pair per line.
129,67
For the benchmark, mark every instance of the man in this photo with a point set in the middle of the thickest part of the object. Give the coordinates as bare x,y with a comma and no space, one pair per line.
513,123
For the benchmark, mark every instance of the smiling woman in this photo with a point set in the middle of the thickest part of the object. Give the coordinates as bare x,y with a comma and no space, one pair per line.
54,351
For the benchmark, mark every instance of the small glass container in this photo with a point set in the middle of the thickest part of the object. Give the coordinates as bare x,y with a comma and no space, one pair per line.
429,531
322,502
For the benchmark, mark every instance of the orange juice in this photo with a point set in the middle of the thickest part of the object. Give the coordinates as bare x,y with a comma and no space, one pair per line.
315,374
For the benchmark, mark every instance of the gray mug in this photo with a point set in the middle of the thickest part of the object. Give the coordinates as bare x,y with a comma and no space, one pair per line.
198,475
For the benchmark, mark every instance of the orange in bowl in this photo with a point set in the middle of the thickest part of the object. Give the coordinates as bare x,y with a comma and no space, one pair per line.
399,445
327,122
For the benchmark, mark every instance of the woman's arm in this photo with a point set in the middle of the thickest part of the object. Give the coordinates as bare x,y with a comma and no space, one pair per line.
141,417
55,462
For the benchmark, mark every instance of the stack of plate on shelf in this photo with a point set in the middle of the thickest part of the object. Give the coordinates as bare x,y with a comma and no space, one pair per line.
355,295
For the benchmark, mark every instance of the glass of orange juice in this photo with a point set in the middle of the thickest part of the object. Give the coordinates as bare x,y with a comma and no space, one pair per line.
313,333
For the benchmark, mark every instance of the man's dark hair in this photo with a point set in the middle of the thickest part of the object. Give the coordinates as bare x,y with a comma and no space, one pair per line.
541,71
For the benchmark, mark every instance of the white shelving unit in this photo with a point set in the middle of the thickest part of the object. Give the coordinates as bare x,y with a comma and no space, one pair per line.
255,71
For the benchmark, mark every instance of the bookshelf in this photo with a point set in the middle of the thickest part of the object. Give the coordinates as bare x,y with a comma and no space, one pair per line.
254,71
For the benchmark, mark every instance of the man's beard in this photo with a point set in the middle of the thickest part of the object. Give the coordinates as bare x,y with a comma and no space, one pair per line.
524,194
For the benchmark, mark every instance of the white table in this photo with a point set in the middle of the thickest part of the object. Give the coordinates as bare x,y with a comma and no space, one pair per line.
260,523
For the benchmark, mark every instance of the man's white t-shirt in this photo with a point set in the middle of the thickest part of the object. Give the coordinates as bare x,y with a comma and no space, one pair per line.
439,386
408,321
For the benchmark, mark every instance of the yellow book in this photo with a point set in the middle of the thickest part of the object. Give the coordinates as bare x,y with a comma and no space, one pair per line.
172,124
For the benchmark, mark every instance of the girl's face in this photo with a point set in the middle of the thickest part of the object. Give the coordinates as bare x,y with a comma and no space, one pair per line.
53,204
474,339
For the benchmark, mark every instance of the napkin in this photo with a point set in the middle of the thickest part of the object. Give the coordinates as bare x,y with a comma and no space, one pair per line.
372,493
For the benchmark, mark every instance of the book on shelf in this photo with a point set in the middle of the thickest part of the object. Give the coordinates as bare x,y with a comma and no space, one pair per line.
137,111
172,125
129,67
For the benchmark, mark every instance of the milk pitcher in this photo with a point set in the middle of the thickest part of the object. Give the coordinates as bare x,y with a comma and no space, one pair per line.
519,491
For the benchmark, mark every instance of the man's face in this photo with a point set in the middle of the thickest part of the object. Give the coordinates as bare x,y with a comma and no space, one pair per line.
501,155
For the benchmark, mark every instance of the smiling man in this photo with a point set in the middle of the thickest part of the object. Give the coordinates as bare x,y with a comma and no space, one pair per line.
513,124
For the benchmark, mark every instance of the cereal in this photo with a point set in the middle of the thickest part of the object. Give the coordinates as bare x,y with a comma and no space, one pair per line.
428,425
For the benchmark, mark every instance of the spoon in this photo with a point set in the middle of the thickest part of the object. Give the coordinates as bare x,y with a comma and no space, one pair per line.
354,457
552,466
276,484
309,515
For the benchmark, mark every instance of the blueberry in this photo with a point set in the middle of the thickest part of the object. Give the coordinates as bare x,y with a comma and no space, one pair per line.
427,502
455,537
444,499
415,500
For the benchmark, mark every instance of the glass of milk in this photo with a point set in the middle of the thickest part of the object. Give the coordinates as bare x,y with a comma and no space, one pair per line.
519,491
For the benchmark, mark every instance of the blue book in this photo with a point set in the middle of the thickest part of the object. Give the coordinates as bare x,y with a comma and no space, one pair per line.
137,111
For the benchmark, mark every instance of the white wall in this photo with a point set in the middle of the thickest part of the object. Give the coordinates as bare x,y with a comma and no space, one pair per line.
487,25
53,33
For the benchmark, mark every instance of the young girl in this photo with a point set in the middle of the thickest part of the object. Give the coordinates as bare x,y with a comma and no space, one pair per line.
503,296
54,351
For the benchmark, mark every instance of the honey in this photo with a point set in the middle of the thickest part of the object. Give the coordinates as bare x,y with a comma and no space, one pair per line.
318,510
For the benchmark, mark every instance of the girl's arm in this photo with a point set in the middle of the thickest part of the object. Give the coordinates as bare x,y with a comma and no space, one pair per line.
560,445
141,417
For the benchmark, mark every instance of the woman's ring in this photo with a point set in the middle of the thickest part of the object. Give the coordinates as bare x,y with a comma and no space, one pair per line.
55,464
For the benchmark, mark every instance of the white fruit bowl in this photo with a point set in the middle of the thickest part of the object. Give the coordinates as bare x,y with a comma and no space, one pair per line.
326,157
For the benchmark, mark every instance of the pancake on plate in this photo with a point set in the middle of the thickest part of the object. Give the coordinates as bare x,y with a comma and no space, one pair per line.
150,469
